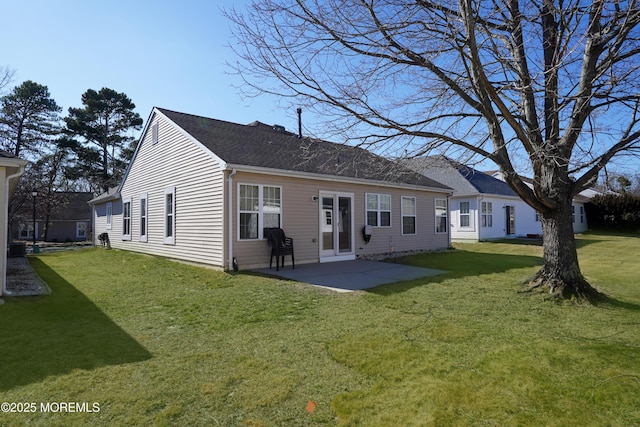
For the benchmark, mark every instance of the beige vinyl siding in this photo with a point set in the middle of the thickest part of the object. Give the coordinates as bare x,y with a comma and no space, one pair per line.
175,161
300,219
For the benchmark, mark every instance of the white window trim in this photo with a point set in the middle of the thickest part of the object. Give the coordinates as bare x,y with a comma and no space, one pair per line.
378,210
260,210
78,228
414,215
446,215
109,215
460,215
169,240
125,200
486,215
28,227
144,215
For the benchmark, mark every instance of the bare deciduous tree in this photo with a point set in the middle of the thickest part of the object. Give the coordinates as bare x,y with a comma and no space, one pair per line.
6,76
556,81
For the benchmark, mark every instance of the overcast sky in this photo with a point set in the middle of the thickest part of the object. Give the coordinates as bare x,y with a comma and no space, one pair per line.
169,54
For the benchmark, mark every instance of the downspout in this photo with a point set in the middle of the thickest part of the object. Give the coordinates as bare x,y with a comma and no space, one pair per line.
449,219
230,220
4,234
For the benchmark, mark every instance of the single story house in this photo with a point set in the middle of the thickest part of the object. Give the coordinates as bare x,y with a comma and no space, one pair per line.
11,168
69,218
203,190
579,216
484,207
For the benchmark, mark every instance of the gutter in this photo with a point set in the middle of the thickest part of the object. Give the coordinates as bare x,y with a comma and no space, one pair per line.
105,197
337,178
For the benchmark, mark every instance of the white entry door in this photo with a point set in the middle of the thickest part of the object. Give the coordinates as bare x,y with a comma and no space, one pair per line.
336,227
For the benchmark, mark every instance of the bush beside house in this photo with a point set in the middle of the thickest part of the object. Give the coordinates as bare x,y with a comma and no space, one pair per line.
614,212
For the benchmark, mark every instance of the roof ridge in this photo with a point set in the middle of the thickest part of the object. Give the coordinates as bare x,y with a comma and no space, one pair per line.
256,124
271,147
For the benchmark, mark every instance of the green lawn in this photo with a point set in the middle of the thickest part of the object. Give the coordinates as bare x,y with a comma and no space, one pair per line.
155,342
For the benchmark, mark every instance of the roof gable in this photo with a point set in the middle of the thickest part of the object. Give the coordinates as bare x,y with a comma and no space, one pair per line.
263,146
72,206
463,179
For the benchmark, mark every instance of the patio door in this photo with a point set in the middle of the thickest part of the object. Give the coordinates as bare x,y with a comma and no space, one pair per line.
336,227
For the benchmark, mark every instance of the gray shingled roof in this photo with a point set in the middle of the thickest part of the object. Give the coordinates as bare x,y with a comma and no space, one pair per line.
261,145
110,194
74,206
463,179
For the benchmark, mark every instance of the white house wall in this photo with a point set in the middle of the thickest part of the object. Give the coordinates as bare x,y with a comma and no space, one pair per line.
173,162
580,218
526,221
580,224
458,232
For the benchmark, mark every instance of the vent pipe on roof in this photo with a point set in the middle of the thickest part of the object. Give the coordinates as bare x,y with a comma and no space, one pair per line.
299,111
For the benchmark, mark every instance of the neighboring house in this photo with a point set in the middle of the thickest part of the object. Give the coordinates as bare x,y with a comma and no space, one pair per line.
483,207
203,190
11,168
69,219
579,215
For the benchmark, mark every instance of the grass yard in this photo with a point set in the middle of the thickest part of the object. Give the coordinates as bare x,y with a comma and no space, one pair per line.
154,342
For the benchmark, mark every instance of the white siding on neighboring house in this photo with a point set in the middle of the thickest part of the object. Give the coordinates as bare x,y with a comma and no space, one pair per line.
197,185
463,219
524,219
533,226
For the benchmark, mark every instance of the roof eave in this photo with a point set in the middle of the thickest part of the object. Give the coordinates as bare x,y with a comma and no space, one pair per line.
333,178
104,198
15,162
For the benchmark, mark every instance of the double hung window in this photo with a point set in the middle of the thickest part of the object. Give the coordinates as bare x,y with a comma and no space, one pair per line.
109,215
465,214
81,230
169,216
260,206
378,210
441,215
409,215
487,214
143,217
126,219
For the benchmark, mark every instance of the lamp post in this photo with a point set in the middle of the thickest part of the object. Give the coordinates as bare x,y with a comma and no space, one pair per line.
34,193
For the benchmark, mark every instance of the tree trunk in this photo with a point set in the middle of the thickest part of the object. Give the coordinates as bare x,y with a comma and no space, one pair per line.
560,274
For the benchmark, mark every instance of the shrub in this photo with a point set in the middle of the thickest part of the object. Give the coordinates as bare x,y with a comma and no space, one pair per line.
617,212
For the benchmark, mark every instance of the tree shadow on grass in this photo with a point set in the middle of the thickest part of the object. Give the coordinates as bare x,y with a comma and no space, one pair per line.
457,264
580,243
56,334
461,263
607,300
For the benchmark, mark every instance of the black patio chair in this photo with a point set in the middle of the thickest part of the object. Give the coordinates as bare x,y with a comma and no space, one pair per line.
281,245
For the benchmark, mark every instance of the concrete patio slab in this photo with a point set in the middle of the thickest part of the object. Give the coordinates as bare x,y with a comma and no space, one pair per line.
346,276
